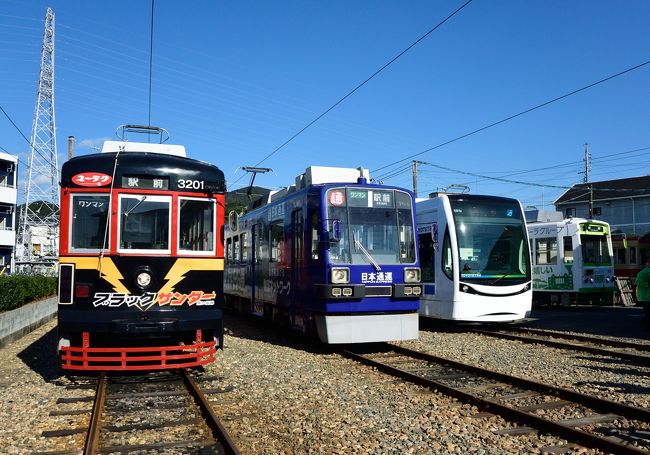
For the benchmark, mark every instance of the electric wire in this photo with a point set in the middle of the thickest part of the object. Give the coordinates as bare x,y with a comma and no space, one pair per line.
519,114
150,63
346,96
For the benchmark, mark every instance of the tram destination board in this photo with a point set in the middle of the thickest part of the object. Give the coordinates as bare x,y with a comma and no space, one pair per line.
163,183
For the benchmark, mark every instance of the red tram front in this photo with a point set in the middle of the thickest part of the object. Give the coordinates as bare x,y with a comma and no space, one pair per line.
141,259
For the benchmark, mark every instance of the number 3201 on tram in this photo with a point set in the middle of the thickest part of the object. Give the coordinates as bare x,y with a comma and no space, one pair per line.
141,259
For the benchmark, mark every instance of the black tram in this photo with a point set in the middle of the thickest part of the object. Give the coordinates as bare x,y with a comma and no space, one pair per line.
141,259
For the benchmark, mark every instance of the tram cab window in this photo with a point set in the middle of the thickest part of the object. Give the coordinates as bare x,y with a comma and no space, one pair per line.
144,223
546,250
196,225
88,226
568,249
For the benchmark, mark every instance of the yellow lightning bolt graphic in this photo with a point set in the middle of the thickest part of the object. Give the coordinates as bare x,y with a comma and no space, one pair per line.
184,265
110,272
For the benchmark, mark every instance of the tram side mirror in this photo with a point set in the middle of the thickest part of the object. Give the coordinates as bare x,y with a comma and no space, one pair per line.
335,234
233,221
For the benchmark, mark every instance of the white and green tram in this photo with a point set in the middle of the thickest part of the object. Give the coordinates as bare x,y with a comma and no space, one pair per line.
572,260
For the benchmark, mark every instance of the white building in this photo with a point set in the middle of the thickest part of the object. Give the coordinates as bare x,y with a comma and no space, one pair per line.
8,195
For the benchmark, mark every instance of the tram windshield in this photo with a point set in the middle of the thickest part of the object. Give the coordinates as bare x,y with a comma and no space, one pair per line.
595,250
144,222
492,243
372,226
89,213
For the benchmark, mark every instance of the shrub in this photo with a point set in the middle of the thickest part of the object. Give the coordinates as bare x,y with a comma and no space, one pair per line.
17,290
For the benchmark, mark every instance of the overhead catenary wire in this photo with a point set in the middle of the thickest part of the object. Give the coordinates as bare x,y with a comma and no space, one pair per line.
519,114
31,146
358,86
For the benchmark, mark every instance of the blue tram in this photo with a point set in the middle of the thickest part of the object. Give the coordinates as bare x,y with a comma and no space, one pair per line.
333,260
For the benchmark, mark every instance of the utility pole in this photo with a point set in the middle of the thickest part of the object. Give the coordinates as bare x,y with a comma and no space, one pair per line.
38,231
414,169
587,163
415,177
70,147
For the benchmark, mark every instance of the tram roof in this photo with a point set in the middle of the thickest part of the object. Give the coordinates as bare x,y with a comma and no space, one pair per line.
142,164
126,146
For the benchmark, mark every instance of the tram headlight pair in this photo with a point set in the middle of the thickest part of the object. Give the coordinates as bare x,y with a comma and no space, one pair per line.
412,275
340,275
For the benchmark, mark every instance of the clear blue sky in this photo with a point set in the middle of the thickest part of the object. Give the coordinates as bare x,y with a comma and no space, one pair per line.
234,80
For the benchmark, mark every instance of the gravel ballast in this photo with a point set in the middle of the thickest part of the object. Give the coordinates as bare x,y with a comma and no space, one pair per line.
283,396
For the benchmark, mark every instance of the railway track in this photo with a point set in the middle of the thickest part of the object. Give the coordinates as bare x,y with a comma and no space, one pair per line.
579,418
167,413
636,352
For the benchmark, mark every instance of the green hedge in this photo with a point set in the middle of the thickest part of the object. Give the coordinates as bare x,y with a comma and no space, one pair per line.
17,290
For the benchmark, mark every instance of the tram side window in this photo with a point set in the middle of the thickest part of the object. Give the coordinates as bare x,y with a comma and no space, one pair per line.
546,251
88,226
315,237
235,249
298,237
229,251
144,222
619,254
277,242
427,258
633,255
568,249
244,247
447,256
196,226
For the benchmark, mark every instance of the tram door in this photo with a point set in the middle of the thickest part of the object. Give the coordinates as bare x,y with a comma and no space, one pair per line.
257,270
297,264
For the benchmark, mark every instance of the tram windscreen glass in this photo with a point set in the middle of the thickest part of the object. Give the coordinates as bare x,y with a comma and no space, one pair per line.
377,221
196,230
144,222
492,242
88,226
595,250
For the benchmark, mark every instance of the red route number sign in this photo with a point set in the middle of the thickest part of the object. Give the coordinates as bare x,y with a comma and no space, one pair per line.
337,198
91,179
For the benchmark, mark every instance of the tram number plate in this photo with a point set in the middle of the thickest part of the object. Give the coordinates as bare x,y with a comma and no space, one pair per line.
191,184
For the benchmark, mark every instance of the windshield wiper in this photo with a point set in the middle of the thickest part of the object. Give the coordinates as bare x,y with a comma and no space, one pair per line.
359,246
134,207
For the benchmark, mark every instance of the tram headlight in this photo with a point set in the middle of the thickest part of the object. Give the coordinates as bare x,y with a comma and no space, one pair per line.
143,277
340,275
412,275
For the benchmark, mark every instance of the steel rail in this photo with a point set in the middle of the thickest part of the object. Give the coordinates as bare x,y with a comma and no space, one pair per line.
214,423
637,358
645,347
91,444
514,414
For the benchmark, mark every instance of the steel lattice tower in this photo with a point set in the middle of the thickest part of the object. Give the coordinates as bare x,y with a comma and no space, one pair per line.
38,230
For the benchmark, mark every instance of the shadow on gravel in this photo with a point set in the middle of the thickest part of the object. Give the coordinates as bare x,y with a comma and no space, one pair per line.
253,328
618,387
634,368
41,357
624,322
